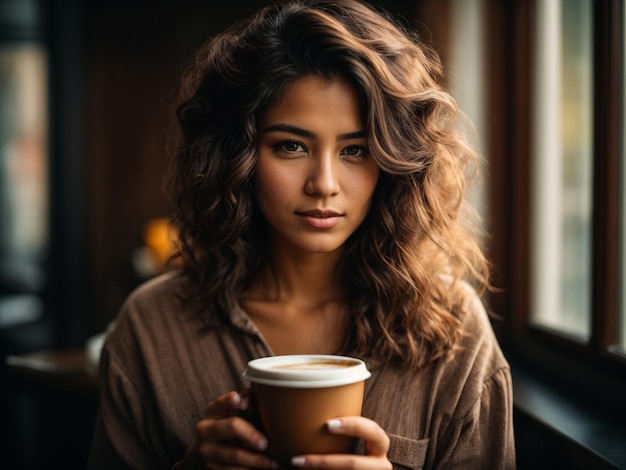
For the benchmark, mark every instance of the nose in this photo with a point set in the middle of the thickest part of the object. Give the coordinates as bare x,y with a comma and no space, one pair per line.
323,179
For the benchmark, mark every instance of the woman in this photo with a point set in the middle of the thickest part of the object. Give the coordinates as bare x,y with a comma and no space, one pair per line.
319,202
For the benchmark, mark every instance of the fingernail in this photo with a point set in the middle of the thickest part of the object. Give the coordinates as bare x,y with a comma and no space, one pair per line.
244,404
235,399
333,424
261,444
298,461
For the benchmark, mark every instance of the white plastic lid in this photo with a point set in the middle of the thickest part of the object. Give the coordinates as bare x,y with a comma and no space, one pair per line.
306,371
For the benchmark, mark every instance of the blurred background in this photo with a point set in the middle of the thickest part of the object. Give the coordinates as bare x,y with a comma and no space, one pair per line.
87,90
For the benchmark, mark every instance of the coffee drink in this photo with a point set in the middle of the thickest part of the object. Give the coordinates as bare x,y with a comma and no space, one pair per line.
316,365
296,395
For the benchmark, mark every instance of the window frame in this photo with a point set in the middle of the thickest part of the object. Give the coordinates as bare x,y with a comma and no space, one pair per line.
592,367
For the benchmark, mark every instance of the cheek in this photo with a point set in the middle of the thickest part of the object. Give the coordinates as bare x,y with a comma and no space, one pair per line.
364,186
272,186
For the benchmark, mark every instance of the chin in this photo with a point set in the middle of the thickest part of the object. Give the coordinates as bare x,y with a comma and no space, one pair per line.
319,248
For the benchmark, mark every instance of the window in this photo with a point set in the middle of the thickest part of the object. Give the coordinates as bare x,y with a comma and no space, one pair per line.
561,168
23,181
465,66
556,100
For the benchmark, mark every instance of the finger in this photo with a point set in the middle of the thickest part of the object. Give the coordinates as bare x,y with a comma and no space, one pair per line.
375,438
232,428
341,461
237,457
224,405
245,392
376,444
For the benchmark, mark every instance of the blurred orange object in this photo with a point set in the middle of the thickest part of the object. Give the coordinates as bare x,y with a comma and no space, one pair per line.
160,238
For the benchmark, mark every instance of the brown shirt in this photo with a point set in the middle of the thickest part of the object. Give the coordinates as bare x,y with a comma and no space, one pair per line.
160,369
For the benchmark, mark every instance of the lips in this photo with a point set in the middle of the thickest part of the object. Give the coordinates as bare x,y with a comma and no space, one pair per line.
318,213
320,219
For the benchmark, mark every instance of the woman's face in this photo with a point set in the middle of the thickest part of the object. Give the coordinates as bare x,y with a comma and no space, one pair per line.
314,176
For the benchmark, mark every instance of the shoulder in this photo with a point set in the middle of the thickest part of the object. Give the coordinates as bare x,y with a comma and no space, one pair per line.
153,311
477,355
162,296
468,307
164,288
476,369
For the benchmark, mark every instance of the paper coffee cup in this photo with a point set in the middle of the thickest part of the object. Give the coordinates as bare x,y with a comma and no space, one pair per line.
296,394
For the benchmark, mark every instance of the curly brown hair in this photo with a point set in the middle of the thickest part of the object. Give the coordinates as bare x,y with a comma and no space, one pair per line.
401,308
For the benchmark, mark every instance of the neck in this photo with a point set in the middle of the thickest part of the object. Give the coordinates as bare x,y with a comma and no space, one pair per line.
307,279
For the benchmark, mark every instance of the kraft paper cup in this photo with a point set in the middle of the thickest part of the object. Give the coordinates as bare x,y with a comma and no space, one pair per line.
295,395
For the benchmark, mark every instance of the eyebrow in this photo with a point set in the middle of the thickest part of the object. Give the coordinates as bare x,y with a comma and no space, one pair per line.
304,133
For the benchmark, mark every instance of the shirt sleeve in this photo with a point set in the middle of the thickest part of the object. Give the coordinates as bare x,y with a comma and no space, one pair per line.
123,437
484,437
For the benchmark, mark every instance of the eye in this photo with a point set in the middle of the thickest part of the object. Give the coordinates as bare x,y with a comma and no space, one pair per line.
355,151
289,146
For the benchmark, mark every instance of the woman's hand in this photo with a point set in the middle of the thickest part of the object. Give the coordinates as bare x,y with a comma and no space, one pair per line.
376,446
229,441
